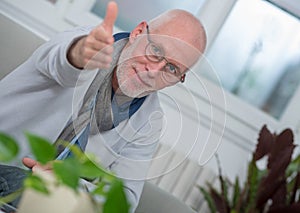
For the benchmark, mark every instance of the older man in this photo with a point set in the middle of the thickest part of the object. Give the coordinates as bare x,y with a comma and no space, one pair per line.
88,85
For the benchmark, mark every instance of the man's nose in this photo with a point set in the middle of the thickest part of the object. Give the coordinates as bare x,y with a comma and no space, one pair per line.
155,66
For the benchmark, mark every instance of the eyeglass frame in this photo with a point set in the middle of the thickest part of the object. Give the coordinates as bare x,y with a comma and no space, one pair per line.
160,58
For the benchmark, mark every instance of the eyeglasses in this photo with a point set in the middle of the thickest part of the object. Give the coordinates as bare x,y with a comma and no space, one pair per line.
155,53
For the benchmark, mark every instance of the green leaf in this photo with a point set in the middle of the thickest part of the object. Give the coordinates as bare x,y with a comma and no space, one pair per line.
236,193
36,183
253,174
293,189
208,199
224,190
99,190
116,201
293,167
43,150
68,171
8,148
89,169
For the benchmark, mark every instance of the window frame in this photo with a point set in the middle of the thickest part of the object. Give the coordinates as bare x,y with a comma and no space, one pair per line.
290,6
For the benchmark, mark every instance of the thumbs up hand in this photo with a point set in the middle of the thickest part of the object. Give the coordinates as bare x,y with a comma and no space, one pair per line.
95,50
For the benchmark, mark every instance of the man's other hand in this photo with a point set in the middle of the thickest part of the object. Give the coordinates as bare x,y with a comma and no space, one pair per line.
34,165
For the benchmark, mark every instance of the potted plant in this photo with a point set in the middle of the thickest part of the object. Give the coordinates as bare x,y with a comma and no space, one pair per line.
273,189
43,190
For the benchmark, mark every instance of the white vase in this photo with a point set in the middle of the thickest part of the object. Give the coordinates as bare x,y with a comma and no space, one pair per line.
61,199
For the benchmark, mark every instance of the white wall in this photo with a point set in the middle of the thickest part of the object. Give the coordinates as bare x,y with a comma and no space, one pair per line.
17,43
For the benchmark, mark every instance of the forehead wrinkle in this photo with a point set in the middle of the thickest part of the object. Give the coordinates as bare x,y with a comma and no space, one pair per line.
183,25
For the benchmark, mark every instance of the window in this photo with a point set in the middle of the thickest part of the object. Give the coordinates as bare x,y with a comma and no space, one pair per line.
257,55
290,6
131,12
52,1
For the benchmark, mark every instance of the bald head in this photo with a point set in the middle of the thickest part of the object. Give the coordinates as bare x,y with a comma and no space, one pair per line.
182,25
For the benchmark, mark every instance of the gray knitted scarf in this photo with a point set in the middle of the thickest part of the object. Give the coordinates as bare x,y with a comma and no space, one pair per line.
96,109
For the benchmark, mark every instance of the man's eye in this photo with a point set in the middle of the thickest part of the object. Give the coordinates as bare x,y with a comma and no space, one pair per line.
156,50
171,68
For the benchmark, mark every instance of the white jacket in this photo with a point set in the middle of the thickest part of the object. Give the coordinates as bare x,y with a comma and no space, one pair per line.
38,97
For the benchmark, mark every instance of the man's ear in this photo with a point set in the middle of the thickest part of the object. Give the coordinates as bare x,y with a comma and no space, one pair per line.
137,31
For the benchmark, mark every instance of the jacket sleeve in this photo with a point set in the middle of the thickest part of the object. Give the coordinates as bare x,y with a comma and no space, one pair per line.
50,59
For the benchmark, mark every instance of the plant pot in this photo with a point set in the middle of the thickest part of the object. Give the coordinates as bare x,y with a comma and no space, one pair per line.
60,199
